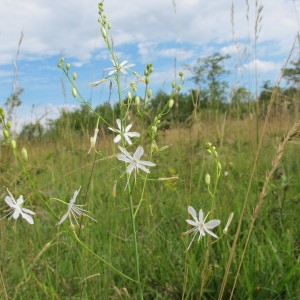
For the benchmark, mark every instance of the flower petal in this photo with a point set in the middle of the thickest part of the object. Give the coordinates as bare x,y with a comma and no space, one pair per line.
117,139
10,201
142,168
20,200
212,224
63,217
193,223
210,232
146,163
119,124
17,212
128,128
124,158
193,213
128,140
28,218
201,215
27,211
133,134
125,152
138,152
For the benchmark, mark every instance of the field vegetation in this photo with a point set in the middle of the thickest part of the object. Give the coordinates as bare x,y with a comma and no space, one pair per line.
130,240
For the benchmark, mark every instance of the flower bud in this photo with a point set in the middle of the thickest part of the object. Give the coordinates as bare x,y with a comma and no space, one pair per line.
68,66
149,93
74,92
6,133
154,147
181,74
8,124
154,129
147,80
171,103
225,230
164,148
137,100
13,144
103,31
109,25
146,73
173,84
179,87
207,179
24,154
2,114
74,75
151,69
133,86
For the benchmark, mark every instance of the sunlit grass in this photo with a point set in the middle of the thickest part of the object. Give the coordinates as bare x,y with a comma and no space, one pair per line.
65,269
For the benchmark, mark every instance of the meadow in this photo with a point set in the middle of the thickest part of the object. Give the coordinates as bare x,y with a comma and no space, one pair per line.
42,262
130,239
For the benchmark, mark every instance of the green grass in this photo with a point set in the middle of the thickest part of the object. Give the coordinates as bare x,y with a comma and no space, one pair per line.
64,270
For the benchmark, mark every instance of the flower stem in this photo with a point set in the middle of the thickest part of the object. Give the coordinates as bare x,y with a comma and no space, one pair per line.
137,259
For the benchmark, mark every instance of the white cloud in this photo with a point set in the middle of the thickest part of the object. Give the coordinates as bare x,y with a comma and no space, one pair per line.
38,114
262,66
70,27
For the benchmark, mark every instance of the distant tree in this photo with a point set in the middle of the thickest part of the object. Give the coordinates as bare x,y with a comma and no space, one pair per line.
31,131
292,75
207,75
13,101
240,103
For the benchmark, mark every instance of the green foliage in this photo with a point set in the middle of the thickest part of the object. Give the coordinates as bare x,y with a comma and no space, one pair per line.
207,76
292,75
62,269
13,101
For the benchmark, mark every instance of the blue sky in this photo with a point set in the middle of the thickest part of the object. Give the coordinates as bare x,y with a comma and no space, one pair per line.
156,31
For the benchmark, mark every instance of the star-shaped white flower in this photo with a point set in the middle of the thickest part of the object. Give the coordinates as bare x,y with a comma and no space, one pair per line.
134,161
16,208
123,132
200,225
122,67
74,210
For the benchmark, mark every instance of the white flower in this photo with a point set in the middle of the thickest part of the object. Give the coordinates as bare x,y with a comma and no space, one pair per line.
74,210
134,161
122,67
16,208
200,226
124,132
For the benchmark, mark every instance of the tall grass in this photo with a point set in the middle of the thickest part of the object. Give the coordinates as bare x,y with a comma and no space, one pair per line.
136,249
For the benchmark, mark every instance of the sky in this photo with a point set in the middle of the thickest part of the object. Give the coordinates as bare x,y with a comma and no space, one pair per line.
167,33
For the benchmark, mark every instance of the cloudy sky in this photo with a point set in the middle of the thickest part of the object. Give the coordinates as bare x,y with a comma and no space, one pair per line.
156,31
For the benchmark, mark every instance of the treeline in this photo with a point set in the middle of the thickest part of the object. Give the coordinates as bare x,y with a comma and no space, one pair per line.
210,97
187,108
